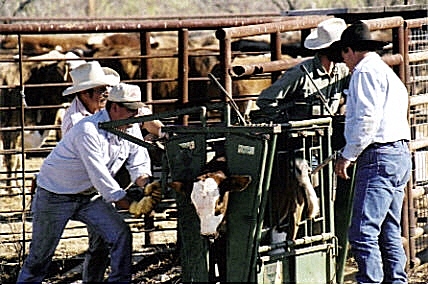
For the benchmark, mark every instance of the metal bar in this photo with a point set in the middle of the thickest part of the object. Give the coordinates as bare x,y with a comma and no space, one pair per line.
285,64
301,241
384,23
291,24
416,23
230,99
276,52
266,67
320,94
183,69
146,70
260,17
130,26
160,116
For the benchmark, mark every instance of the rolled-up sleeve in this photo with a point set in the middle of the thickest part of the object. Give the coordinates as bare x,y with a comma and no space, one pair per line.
138,162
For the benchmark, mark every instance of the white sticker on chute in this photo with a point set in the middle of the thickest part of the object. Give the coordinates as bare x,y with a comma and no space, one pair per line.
188,145
246,149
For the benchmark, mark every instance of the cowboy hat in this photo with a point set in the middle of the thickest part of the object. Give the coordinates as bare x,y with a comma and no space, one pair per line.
128,95
90,75
325,34
358,35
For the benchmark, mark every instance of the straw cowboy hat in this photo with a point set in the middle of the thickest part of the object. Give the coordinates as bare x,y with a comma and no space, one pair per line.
128,95
326,33
90,75
358,35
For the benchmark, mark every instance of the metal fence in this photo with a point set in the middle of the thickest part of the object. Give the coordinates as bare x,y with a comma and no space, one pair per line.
410,43
417,82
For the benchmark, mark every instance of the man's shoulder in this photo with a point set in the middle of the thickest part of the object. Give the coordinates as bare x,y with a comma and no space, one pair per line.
89,123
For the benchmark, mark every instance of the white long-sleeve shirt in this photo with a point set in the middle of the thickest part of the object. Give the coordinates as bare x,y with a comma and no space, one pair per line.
73,114
376,109
90,157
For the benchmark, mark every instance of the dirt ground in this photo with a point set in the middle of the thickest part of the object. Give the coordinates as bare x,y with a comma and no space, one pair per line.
158,263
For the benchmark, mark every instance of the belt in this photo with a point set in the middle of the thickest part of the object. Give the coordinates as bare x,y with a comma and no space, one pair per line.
378,144
88,191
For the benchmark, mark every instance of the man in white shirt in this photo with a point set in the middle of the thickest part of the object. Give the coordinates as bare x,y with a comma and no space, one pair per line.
82,165
376,133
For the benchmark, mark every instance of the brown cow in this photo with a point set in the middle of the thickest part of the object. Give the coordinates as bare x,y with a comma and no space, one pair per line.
40,44
292,197
164,70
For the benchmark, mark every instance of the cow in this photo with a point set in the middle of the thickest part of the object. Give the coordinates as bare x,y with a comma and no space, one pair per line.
33,45
209,194
293,198
290,197
164,71
54,70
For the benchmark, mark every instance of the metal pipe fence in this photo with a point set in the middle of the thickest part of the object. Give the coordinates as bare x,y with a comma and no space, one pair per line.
409,58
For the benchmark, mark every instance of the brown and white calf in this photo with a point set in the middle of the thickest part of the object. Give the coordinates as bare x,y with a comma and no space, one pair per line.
210,192
294,198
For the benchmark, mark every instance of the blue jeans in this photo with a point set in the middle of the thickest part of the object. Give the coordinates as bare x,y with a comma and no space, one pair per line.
375,232
96,259
51,212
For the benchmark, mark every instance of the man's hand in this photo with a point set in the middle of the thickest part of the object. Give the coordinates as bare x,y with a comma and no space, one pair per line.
152,196
142,180
341,167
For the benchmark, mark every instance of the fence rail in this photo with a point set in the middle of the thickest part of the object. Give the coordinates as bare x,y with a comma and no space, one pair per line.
408,57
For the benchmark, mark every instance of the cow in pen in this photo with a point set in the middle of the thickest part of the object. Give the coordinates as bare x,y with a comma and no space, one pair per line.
292,200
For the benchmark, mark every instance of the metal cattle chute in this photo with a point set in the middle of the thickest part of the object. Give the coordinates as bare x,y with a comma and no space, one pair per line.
246,254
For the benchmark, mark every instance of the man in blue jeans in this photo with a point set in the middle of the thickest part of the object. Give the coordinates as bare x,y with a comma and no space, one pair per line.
376,132
76,181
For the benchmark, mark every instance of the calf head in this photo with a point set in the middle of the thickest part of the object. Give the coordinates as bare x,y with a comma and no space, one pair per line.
210,193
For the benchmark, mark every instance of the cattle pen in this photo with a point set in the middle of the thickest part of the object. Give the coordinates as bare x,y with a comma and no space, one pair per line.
33,77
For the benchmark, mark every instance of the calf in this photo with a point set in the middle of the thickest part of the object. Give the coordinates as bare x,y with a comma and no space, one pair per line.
293,196
210,193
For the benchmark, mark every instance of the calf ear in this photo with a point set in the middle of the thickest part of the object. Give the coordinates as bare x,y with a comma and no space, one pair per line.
235,183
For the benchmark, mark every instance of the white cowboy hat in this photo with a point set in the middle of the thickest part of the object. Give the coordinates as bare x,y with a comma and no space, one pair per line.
325,34
128,95
90,75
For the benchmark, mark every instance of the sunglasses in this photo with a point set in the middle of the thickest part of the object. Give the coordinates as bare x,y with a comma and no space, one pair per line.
102,90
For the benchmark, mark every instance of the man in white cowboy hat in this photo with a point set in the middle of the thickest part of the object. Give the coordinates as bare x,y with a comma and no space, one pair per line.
76,181
295,95
90,85
376,132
